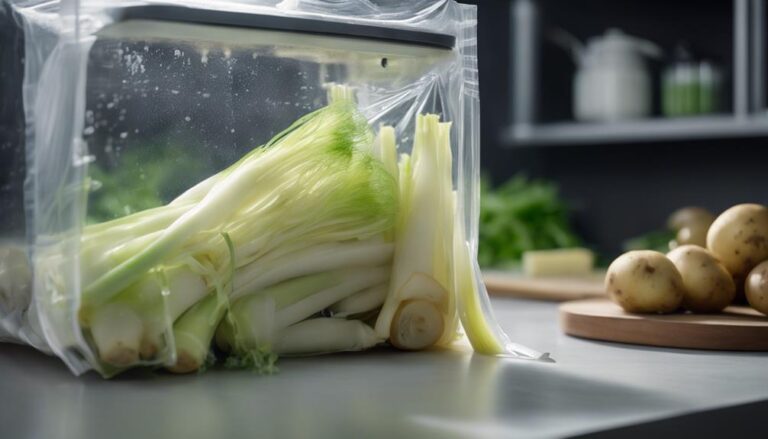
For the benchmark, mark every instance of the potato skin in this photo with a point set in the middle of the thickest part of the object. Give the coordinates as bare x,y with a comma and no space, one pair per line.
708,285
756,287
644,281
739,239
695,234
688,216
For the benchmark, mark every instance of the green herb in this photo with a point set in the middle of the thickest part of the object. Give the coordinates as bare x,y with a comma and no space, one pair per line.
260,361
656,240
143,177
518,216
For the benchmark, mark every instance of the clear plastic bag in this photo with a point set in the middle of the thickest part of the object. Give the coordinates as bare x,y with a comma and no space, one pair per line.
267,178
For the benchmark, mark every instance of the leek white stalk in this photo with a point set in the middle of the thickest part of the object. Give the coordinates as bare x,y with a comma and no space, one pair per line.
423,262
117,334
250,322
254,319
256,276
192,333
385,149
351,281
325,335
153,304
364,301
250,325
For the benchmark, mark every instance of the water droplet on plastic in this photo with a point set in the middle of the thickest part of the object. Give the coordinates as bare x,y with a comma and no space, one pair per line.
123,135
135,63
187,118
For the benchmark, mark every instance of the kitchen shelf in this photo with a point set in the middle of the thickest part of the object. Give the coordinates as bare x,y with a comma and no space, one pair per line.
648,130
532,124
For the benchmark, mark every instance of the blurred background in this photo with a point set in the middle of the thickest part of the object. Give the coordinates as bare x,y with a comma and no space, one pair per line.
599,118
629,109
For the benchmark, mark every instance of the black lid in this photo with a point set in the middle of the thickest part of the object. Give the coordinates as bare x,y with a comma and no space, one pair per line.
182,14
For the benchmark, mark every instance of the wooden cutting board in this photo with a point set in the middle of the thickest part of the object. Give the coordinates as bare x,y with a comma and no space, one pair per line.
559,289
738,328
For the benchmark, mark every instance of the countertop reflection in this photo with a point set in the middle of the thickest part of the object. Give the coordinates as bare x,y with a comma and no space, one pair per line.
592,386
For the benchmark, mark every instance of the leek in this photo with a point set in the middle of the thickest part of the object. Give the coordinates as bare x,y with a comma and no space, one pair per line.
323,335
292,250
423,262
322,165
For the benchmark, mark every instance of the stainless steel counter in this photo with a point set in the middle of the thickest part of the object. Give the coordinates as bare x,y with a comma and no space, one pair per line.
592,386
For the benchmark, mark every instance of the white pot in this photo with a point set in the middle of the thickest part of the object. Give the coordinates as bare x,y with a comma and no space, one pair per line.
612,82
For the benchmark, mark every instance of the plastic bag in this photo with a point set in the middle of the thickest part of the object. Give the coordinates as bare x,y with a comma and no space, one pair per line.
261,178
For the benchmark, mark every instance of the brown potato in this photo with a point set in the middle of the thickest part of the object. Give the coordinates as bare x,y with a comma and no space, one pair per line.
644,281
756,287
739,239
708,285
695,234
688,216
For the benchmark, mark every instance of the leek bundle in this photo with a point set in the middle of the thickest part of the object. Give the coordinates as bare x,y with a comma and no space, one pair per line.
322,240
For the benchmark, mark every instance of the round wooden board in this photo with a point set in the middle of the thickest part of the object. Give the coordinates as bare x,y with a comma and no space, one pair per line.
558,289
738,328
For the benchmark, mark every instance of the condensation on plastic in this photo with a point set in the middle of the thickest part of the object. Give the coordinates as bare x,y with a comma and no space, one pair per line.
71,46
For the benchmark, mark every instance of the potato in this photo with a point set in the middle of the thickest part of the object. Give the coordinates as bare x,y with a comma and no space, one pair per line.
688,216
756,287
645,281
695,234
708,285
739,239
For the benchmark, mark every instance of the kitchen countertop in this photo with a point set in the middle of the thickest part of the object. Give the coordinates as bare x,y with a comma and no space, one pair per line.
593,386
